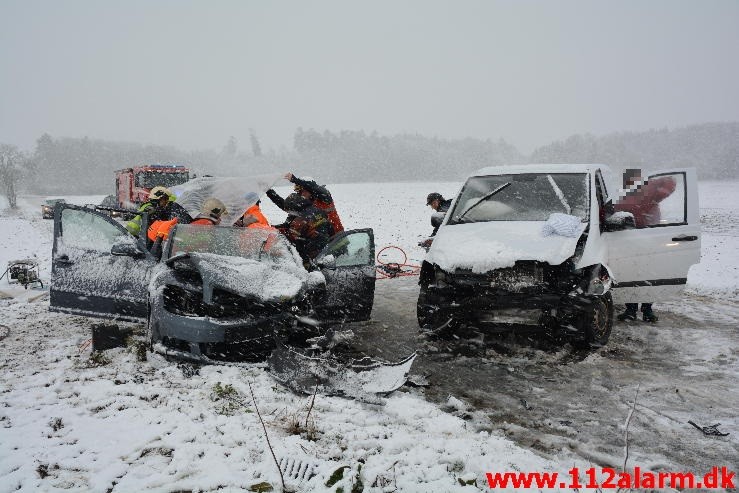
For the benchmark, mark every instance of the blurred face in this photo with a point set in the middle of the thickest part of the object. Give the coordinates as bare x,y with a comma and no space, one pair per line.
435,204
305,193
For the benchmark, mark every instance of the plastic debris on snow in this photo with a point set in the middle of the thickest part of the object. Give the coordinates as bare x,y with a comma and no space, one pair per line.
562,225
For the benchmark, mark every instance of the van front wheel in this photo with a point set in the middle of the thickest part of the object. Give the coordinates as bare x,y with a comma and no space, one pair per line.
596,323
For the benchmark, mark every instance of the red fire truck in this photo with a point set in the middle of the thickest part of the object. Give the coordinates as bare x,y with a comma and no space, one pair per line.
132,185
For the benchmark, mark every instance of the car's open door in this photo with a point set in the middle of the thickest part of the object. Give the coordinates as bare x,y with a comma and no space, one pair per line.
348,263
651,263
97,269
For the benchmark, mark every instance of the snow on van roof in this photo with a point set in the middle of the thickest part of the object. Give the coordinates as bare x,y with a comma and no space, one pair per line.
539,168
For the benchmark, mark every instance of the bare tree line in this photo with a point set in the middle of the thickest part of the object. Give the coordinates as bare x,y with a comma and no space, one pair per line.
85,166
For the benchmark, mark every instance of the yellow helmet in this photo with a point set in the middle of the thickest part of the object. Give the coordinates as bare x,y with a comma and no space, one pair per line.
214,208
159,192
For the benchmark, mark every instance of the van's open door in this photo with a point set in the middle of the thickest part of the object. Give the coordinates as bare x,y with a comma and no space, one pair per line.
651,263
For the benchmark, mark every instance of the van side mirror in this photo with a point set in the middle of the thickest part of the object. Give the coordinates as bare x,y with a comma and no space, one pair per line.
619,221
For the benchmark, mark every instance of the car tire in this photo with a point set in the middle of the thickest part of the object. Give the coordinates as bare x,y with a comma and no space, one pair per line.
429,320
595,324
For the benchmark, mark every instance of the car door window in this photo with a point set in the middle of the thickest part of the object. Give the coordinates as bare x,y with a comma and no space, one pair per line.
670,197
352,250
81,229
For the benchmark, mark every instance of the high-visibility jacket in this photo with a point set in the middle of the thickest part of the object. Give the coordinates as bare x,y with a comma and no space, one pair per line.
160,229
256,212
134,225
203,221
333,216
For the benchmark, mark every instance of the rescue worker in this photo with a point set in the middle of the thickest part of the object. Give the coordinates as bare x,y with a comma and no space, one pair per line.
319,197
134,225
642,201
253,216
210,213
165,214
439,204
307,227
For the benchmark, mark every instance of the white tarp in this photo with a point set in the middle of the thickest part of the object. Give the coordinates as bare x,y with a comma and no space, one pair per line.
237,193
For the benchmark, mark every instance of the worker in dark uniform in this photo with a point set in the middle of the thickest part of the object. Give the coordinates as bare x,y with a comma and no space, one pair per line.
439,204
307,227
318,195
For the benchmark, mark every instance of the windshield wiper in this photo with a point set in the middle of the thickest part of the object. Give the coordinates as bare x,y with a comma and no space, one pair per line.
559,194
486,197
171,260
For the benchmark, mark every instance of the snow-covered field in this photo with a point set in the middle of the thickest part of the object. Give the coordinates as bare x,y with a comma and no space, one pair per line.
71,423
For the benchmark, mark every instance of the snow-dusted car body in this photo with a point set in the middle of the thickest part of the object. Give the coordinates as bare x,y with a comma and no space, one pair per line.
217,293
540,246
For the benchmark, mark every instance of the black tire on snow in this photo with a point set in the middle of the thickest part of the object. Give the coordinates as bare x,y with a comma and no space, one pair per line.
596,324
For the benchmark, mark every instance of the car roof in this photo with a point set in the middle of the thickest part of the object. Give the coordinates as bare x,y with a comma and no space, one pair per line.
539,168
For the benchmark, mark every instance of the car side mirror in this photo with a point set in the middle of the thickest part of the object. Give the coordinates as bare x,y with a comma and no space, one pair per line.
437,218
609,208
619,221
327,262
126,250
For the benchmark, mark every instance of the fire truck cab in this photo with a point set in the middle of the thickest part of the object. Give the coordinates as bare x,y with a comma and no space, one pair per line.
132,185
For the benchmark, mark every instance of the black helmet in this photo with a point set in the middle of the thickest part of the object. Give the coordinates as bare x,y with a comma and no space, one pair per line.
296,202
434,196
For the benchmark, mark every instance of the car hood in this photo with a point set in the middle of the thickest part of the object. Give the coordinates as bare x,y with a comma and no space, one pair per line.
486,246
268,281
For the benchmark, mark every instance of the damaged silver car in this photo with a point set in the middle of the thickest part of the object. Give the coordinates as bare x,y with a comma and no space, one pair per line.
218,293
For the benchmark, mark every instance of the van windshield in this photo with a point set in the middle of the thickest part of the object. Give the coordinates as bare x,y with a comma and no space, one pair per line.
528,197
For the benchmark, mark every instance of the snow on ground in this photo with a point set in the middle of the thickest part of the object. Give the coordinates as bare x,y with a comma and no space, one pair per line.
120,424
136,426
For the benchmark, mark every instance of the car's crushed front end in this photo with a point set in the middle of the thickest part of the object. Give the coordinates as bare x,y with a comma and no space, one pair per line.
210,303
530,296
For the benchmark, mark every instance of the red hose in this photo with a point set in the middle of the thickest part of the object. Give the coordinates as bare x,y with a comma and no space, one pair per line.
390,270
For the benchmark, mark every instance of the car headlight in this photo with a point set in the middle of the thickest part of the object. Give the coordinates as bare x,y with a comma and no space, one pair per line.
441,278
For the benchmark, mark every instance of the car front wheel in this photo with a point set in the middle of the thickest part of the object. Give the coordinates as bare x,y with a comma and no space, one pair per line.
596,323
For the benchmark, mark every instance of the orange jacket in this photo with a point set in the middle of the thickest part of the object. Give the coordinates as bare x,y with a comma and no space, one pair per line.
333,216
160,228
203,221
255,212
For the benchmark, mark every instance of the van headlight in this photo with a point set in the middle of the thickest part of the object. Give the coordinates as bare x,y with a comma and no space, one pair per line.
441,278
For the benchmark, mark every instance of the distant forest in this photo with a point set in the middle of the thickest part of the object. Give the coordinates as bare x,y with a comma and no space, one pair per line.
66,165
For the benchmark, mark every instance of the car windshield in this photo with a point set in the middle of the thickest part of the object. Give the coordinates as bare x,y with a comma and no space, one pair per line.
250,243
151,179
529,197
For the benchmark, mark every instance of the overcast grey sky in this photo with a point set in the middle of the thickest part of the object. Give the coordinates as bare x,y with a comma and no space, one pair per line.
190,73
